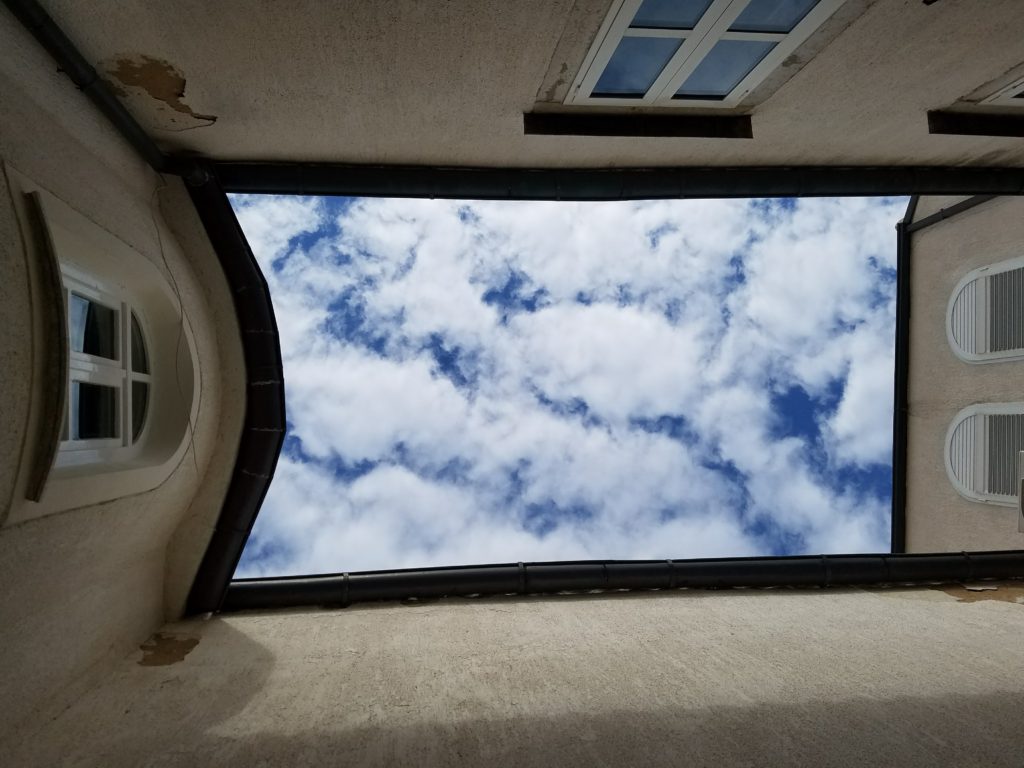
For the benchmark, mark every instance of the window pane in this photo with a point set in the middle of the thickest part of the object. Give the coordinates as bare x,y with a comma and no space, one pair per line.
772,15
140,362
92,328
93,411
670,14
140,401
723,68
635,66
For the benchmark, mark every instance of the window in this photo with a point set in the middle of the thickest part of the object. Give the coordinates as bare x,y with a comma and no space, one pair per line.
1010,96
982,448
114,416
688,53
108,373
985,316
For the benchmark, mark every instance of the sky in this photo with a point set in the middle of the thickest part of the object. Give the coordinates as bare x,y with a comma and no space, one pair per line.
477,382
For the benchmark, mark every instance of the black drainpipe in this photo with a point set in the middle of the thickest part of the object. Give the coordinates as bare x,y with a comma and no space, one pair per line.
901,378
615,575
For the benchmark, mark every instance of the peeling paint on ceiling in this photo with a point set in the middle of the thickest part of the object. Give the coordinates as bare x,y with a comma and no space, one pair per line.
154,89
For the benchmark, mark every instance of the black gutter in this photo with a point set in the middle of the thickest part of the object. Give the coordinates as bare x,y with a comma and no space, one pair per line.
264,427
73,64
945,213
545,578
613,183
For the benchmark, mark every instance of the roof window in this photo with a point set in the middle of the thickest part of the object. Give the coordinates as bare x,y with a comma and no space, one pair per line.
680,53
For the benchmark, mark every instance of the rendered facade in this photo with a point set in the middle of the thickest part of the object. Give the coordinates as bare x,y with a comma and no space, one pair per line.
131,372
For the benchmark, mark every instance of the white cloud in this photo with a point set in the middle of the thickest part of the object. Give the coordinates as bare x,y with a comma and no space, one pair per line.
477,382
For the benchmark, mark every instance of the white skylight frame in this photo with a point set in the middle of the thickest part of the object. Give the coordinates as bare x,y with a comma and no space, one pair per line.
712,27
1011,95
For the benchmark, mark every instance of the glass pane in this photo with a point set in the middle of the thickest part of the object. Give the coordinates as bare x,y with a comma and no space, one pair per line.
92,328
635,66
140,401
670,14
723,68
140,362
772,15
93,411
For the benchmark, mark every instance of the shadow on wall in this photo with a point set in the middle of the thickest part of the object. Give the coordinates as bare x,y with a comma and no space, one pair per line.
153,710
218,713
963,731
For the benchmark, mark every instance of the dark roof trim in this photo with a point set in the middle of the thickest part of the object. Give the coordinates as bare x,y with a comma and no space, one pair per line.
536,578
975,123
613,183
945,213
264,427
579,123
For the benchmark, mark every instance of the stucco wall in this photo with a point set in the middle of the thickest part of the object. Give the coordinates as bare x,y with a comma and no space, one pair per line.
447,83
80,587
895,677
938,518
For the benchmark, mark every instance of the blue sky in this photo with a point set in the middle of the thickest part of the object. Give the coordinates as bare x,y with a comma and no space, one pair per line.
472,382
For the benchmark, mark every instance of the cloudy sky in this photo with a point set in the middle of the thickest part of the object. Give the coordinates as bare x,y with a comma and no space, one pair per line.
474,382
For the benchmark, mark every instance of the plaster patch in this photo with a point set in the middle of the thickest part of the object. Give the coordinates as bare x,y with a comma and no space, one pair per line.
1005,593
161,650
158,80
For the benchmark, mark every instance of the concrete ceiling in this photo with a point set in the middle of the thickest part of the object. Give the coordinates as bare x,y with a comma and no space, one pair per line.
432,82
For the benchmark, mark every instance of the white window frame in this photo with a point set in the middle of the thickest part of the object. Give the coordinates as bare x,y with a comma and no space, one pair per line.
978,459
980,315
1011,95
712,27
91,369
84,252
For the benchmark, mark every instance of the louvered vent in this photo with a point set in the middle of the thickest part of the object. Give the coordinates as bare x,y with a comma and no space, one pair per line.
962,318
1005,441
1006,310
982,449
961,453
986,314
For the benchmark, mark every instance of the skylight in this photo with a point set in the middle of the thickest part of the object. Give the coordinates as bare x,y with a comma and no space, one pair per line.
473,382
686,53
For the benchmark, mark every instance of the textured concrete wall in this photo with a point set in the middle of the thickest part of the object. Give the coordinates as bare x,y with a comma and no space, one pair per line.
79,588
415,81
938,518
922,677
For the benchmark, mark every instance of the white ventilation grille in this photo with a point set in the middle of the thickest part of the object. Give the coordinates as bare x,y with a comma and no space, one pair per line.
963,316
985,318
961,452
1005,434
982,449
1006,321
